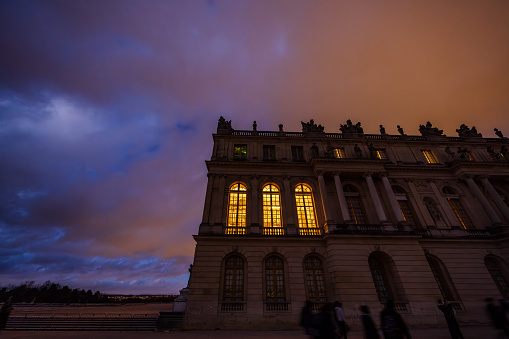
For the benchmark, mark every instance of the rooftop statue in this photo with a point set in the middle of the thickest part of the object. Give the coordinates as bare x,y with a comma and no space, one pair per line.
350,128
498,133
382,130
310,126
254,125
429,130
223,124
400,130
466,132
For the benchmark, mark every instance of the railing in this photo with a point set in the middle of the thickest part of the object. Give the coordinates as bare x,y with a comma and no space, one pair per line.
232,306
235,230
276,306
310,231
316,306
399,306
478,233
369,228
345,136
273,231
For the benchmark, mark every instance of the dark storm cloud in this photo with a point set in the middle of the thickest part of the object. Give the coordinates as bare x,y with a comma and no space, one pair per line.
107,110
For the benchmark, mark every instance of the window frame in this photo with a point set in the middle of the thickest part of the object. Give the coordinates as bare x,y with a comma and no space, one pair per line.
430,156
311,273
305,205
239,152
269,153
238,191
339,153
355,205
274,208
298,153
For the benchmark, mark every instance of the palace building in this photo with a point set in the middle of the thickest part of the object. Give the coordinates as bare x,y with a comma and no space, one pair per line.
354,217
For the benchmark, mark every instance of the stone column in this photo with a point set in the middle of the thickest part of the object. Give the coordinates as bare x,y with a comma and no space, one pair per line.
392,198
482,199
376,199
496,197
252,208
341,197
325,200
218,204
446,207
288,211
208,197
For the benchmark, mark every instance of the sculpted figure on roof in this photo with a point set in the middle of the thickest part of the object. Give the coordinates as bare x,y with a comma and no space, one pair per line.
429,130
466,132
311,127
350,128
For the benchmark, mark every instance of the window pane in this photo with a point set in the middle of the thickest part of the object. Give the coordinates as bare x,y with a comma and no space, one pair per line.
339,153
430,156
461,214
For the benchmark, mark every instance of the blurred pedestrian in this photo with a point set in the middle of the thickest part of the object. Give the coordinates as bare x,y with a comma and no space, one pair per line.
497,316
393,326
340,318
450,318
328,327
370,330
310,321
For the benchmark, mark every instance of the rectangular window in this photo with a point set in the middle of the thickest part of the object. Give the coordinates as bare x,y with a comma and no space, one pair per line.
461,214
269,152
339,153
406,211
430,156
380,154
239,152
297,153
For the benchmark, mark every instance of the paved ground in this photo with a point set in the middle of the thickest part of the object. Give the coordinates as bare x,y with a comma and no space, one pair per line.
477,332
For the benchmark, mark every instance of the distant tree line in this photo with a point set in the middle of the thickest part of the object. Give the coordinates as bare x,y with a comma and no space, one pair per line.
51,292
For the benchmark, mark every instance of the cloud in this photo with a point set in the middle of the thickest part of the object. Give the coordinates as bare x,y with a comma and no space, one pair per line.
107,110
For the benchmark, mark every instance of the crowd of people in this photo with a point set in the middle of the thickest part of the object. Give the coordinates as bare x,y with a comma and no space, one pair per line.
330,322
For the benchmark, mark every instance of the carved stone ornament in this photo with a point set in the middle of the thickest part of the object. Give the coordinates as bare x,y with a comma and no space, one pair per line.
350,128
466,132
223,125
498,133
428,130
311,127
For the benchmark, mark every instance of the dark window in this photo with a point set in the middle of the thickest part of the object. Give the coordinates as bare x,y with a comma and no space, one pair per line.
234,279
269,152
274,279
314,279
379,274
496,270
239,152
440,277
297,153
355,208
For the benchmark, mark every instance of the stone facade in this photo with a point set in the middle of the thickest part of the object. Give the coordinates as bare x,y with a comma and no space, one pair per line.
359,218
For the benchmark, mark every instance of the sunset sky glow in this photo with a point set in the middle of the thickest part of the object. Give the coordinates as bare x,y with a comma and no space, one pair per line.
107,110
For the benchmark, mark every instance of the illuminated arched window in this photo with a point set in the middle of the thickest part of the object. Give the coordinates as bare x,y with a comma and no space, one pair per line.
237,209
315,284
498,273
404,205
274,279
353,200
233,279
456,205
272,210
306,210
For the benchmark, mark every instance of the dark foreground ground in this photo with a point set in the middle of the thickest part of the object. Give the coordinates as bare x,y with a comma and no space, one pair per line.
469,332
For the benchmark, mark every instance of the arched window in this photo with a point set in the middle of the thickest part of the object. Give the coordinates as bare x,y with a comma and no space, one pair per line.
272,210
274,279
315,284
306,210
355,208
233,279
456,205
442,278
404,205
380,277
498,273
237,209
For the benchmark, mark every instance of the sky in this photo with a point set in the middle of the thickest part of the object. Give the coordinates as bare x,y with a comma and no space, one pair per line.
107,110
